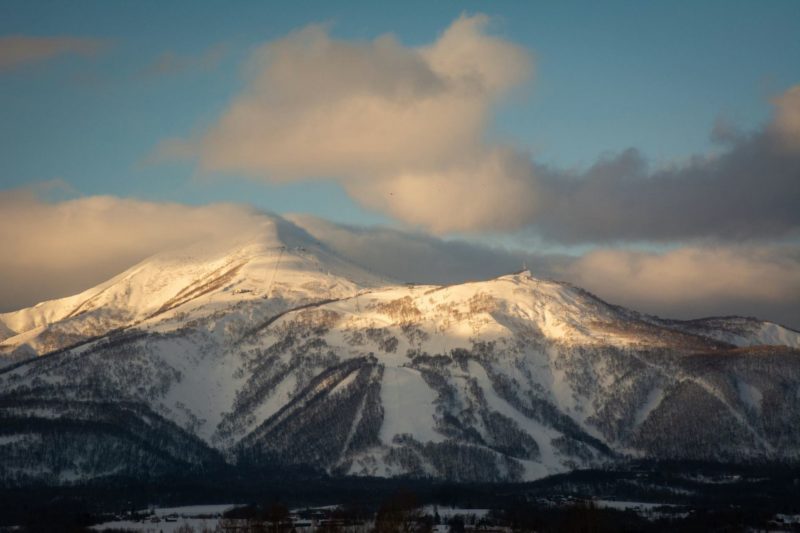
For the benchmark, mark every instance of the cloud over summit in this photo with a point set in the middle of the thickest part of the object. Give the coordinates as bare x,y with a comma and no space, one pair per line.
56,249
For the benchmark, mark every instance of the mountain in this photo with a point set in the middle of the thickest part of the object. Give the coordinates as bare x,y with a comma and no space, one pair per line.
271,351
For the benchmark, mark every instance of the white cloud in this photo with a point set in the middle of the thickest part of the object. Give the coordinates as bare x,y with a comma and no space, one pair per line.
56,249
694,281
490,191
401,128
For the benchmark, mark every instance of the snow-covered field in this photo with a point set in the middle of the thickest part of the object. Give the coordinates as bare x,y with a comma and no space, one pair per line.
169,519
446,513
199,525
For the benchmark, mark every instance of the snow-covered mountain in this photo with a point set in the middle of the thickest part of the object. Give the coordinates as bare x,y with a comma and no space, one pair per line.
271,350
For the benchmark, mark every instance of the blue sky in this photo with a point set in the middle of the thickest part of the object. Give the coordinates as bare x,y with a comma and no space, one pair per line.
608,76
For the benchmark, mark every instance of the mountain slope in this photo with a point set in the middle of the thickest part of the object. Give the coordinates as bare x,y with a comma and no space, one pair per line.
274,351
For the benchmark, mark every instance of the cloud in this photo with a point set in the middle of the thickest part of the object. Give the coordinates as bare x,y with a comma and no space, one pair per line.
689,282
401,128
170,63
54,249
686,282
421,258
750,190
491,190
786,124
320,107
18,50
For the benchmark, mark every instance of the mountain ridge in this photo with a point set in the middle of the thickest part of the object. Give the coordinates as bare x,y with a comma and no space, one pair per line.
275,352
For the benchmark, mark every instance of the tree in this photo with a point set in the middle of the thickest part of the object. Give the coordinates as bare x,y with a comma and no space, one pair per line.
277,515
399,514
456,524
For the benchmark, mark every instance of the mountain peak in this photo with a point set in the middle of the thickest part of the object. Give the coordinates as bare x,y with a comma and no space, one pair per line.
275,260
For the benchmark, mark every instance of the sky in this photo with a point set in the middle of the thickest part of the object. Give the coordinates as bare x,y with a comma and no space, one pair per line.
648,151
